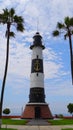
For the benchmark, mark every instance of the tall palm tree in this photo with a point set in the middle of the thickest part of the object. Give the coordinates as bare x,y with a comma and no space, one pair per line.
9,18
66,28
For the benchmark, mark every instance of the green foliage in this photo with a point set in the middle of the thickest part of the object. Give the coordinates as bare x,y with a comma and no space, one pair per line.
55,33
12,12
70,108
10,18
67,129
6,111
11,34
60,25
71,21
67,21
60,115
66,27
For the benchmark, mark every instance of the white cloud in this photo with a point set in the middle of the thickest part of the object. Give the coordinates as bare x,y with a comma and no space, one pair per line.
52,70
48,14
20,61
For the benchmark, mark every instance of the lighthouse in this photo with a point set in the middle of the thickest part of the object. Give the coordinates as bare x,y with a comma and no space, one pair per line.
37,106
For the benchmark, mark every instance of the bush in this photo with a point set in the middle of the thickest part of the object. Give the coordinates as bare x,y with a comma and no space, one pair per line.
60,116
6,111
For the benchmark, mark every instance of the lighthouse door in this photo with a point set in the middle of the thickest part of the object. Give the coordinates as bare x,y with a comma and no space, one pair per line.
37,112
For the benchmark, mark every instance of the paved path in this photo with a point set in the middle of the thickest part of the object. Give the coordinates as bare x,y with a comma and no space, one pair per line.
47,127
40,122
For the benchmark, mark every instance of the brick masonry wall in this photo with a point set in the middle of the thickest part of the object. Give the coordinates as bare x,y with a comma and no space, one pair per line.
45,112
29,111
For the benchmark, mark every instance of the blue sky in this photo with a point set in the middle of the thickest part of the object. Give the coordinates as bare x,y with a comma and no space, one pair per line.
57,82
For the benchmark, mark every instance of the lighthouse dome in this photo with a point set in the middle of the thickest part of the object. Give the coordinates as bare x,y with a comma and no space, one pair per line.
37,41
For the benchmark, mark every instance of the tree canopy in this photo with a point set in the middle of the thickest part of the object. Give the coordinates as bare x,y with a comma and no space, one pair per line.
70,108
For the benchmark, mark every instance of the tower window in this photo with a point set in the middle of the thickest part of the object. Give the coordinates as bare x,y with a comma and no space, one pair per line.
37,56
37,74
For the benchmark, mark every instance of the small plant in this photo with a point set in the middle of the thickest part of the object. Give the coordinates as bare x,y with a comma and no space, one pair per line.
60,116
6,111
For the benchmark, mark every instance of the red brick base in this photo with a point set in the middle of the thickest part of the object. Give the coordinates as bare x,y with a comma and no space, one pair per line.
29,111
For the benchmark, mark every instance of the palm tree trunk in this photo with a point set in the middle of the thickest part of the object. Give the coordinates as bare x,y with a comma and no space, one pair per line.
71,55
5,75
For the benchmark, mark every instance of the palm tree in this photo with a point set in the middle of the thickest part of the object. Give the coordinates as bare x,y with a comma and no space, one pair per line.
9,18
66,28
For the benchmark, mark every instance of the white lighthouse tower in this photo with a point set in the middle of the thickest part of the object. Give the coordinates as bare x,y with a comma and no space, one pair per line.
37,107
37,94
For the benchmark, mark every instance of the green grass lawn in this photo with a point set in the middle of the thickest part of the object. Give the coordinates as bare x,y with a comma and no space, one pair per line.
7,129
24,122
67,129
14,122
61,122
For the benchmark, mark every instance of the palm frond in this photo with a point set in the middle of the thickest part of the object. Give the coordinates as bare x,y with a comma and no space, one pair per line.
15,18
5,15
55,33
11,34
72,32
6,12
71,21
18,19
12,12
9,17
67,21
20,27
1,18
19,23
60,25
